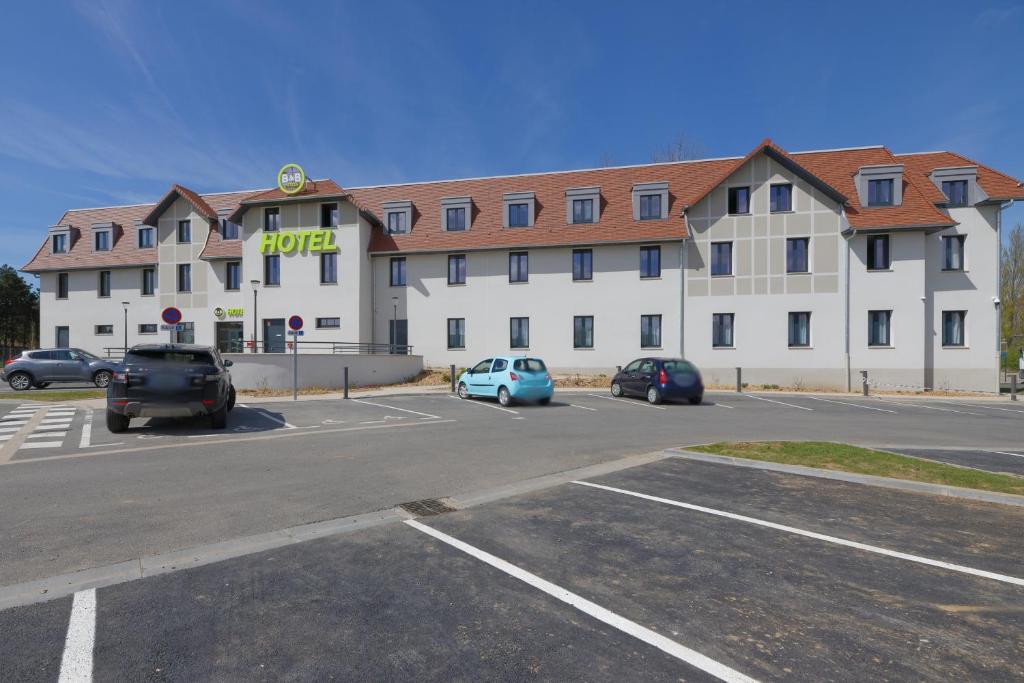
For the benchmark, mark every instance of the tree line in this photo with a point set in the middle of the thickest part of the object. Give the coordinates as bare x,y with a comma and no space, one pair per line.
1011,295
19,313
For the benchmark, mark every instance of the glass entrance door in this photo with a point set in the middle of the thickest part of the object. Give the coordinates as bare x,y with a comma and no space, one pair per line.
273,335
230,337
63,337
398,335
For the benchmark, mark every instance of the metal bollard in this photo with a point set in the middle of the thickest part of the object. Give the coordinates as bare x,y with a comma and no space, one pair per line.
451,375
739,380
1013,387
346,381
864,381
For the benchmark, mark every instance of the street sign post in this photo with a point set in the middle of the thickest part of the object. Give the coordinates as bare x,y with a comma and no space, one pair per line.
295,330
171,317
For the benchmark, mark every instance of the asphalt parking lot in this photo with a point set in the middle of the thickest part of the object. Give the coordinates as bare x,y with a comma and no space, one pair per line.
755,580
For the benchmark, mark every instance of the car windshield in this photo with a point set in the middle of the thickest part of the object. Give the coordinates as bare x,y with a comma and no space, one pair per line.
176,357
529,365
679,366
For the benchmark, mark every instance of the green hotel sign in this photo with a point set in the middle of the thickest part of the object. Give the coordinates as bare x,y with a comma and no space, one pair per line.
297,240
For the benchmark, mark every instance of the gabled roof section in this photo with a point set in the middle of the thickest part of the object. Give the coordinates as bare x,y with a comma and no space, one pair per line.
998,186
773,151
198,204
315,189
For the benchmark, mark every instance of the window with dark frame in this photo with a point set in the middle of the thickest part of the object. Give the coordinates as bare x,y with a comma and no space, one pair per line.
328,323
781,197
148,281
184,277
953,252
145,238
271,219
879,328
329,215
184,232
955,191
650,331
583,211
233,276
721,258
722,330
455,219
650,207
799,329
878,252
396,222
272,269
953,324
104,329
101,240
583,332
456,333
104,286
739,200
456,269
329,268
60,244
62,285
397,272
650,262
228,230
582,264
518,215
797,252
519,266
147,328
519,333
880,192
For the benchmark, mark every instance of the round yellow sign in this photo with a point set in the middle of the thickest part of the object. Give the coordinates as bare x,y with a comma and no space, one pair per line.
291,178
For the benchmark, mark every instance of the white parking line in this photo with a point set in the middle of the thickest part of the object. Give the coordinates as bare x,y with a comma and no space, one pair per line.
582,407
724,405
974,405
918,405
1016,455
86,430
847,403
401,410
483,404
781,403
76,663
275,420
639,404
812,534
642,633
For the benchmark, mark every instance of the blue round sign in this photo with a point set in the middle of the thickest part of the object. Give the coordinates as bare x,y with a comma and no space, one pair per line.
295,323
171,315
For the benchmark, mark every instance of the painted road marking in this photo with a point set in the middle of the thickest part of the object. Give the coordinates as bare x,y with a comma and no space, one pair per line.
1016,455
483,404
401,410
642,633
640,404
42,428
86,430
76,663
847,403
46,435
275,420
716,403
781,403
812,534
14,428
41,444
582,407
974,405
917,405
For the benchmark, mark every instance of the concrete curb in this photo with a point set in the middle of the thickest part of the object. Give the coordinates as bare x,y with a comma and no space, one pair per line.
870,480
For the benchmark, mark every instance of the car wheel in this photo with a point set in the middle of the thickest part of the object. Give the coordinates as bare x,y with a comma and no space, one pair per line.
101,378
696,400
41,385
463,390
117,423
20,381
504,398
231,398
653,395
219,417
545,401
616,389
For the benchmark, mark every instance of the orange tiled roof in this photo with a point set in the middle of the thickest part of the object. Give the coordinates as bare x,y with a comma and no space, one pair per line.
998,186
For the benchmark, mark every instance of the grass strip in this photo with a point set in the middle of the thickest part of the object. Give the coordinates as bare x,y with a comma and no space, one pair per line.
55,396
845,458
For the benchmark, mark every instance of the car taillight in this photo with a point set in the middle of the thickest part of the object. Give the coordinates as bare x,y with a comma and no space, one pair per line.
513,376
208,402
121,376
547,376
9,361
662,377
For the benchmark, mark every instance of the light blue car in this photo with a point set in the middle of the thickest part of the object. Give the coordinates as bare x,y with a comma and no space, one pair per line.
510,378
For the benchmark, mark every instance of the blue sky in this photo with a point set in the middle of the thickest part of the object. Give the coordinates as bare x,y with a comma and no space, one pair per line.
107,102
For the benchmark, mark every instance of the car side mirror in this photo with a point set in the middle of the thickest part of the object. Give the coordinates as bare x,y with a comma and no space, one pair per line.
228,363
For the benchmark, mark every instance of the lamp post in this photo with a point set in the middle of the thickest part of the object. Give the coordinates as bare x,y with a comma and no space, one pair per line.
255,315
125,304
394,325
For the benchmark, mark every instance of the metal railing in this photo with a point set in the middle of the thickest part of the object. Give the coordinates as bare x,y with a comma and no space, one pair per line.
285,346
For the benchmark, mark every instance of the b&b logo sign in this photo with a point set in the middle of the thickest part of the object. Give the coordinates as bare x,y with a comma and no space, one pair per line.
291,178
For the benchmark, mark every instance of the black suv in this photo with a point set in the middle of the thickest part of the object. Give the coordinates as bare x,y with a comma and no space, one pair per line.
170,380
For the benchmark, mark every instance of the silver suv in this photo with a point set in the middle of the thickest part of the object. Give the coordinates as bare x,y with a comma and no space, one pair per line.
40,367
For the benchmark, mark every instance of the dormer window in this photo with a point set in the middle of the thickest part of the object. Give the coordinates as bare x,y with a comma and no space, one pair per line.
329,215
955,191
271,219
650,201
101,240
457,213
519,209
228,230
146,238
739,200
184,232
396,222
59,245
397,216
582,205
880,192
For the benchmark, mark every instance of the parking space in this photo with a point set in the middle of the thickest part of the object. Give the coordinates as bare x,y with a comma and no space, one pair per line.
678,570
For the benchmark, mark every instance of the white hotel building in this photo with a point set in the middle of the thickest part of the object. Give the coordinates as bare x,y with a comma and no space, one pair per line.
802,268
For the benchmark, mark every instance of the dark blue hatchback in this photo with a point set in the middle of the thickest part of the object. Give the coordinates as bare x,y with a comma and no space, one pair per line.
660,379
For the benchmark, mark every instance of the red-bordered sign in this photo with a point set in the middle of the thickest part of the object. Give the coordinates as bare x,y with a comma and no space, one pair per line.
171,315
295,323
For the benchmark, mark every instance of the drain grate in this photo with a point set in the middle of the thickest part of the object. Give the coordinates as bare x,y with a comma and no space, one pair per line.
428,507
